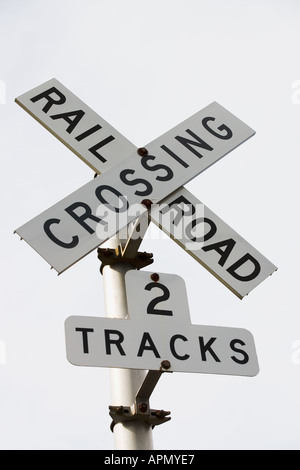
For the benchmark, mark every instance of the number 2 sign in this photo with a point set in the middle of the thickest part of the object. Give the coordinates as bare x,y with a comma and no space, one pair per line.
159,329
157,294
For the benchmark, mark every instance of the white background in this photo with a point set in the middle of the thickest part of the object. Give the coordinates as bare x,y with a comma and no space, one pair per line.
145,66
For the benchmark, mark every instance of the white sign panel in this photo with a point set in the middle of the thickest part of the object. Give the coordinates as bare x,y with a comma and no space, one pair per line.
211,242
75,226
159,329
75,124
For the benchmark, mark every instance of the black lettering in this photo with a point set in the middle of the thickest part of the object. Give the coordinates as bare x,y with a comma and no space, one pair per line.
172,347
204,348
78,115
50,99
148,187
189,144
221,128
121,199
150,347
86,215
87,133
166,295
47,225
98,146
203,238
169,173
173,155
85,341
245,359
229,244
247,258
116,341
180,211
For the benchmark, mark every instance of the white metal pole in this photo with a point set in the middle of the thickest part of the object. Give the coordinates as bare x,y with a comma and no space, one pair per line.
125,383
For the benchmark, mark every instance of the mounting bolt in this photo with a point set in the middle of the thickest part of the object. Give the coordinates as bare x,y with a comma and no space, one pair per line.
154,277
142,151
147,202
165,364
120,410
143,407
160,414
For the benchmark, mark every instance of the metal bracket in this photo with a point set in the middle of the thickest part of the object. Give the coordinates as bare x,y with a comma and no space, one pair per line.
140,410
122,414
113,256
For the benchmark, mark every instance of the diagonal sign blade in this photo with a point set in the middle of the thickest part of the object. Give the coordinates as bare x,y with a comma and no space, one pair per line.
211,242
76,125
84,220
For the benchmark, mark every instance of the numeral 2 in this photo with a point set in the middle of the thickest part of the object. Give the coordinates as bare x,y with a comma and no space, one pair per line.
166,295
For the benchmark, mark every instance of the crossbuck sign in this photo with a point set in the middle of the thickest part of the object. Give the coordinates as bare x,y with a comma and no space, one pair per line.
82,221
78,224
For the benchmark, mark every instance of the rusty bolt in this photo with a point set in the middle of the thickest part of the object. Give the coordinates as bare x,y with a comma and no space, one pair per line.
160,414
143,407
142,152
120,410
147,202
154,277
108,252
166,364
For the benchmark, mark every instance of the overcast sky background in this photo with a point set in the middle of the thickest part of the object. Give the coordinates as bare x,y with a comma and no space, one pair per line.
145,66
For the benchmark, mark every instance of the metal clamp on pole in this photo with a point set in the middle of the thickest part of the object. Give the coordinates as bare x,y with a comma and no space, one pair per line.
140,410
114,256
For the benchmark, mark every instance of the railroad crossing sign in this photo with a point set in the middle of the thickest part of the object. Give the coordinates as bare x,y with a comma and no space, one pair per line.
145,184
71,229
159,331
